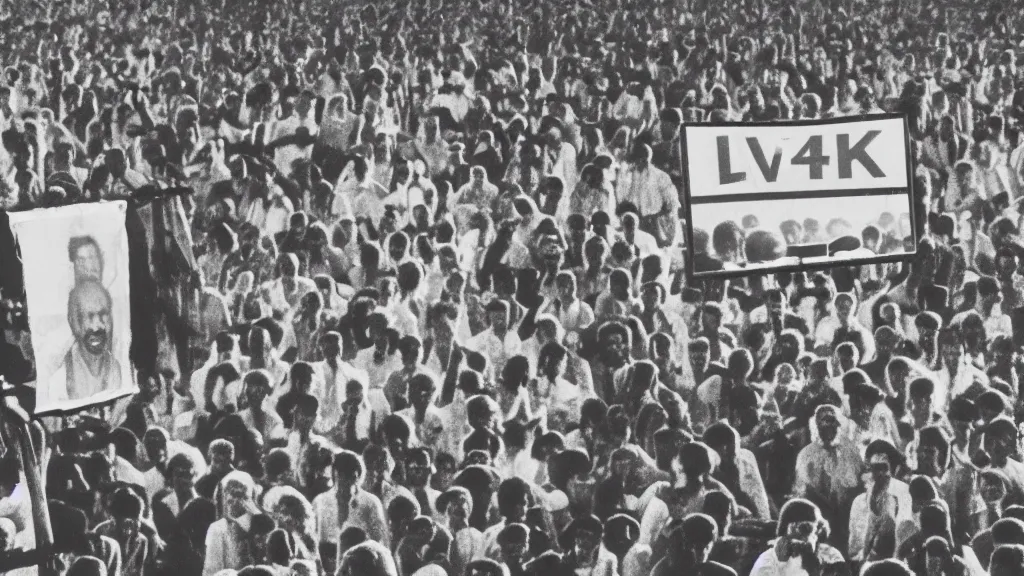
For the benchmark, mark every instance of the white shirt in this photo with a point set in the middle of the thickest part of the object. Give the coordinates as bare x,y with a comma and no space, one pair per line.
496,350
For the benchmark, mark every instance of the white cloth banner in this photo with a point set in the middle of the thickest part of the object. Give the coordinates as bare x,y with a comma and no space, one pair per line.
76,278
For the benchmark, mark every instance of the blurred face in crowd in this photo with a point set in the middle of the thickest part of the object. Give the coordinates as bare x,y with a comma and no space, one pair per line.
618,348
498,320
236,499
1000,448
127,528
156,448
921,408
992,488
417,472
184,477
458,510
880,467
951,353
221,460
929,460
828,426
1005,266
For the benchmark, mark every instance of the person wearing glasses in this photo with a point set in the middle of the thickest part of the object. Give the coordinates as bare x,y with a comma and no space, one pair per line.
799,548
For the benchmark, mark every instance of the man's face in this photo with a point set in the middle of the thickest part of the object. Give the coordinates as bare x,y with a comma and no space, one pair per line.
711,322
921,407
951,353
999,448
156,449
396,251
353,394
87,263
617,347
235,498
828,427
255,395
844,307
417,474
184,477
127,528
220,461
420,395
699,359
991,488
880,467
929,460
458,509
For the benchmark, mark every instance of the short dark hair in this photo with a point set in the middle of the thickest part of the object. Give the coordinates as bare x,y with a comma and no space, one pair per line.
125,503
75,243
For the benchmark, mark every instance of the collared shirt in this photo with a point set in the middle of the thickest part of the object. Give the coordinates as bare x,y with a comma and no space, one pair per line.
828,474
226,547
75,381
365,511
861,515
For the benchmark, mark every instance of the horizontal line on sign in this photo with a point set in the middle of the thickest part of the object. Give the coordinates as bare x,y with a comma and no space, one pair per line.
763,196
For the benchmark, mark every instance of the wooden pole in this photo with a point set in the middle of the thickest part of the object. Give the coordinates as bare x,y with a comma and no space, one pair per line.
18,423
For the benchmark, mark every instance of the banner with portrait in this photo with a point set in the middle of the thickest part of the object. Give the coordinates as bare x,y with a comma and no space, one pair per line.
76,280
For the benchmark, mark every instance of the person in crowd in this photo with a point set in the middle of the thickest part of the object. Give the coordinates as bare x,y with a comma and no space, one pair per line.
411,295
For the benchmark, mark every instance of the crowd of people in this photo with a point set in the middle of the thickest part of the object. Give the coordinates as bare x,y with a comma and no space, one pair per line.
444,323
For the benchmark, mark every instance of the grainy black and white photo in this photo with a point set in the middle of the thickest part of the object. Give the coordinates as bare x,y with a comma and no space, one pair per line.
511,288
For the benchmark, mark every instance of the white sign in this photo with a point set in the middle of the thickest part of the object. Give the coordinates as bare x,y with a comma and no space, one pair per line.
76,281
840,175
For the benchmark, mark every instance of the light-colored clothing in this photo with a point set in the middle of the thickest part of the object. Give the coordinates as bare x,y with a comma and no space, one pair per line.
861,515
365,512
828,474
496,350
226,546
329,389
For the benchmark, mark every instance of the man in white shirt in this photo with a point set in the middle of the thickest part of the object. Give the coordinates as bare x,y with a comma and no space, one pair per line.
644,242
332,374
652,192
348,505
160,449
498,343
284,293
